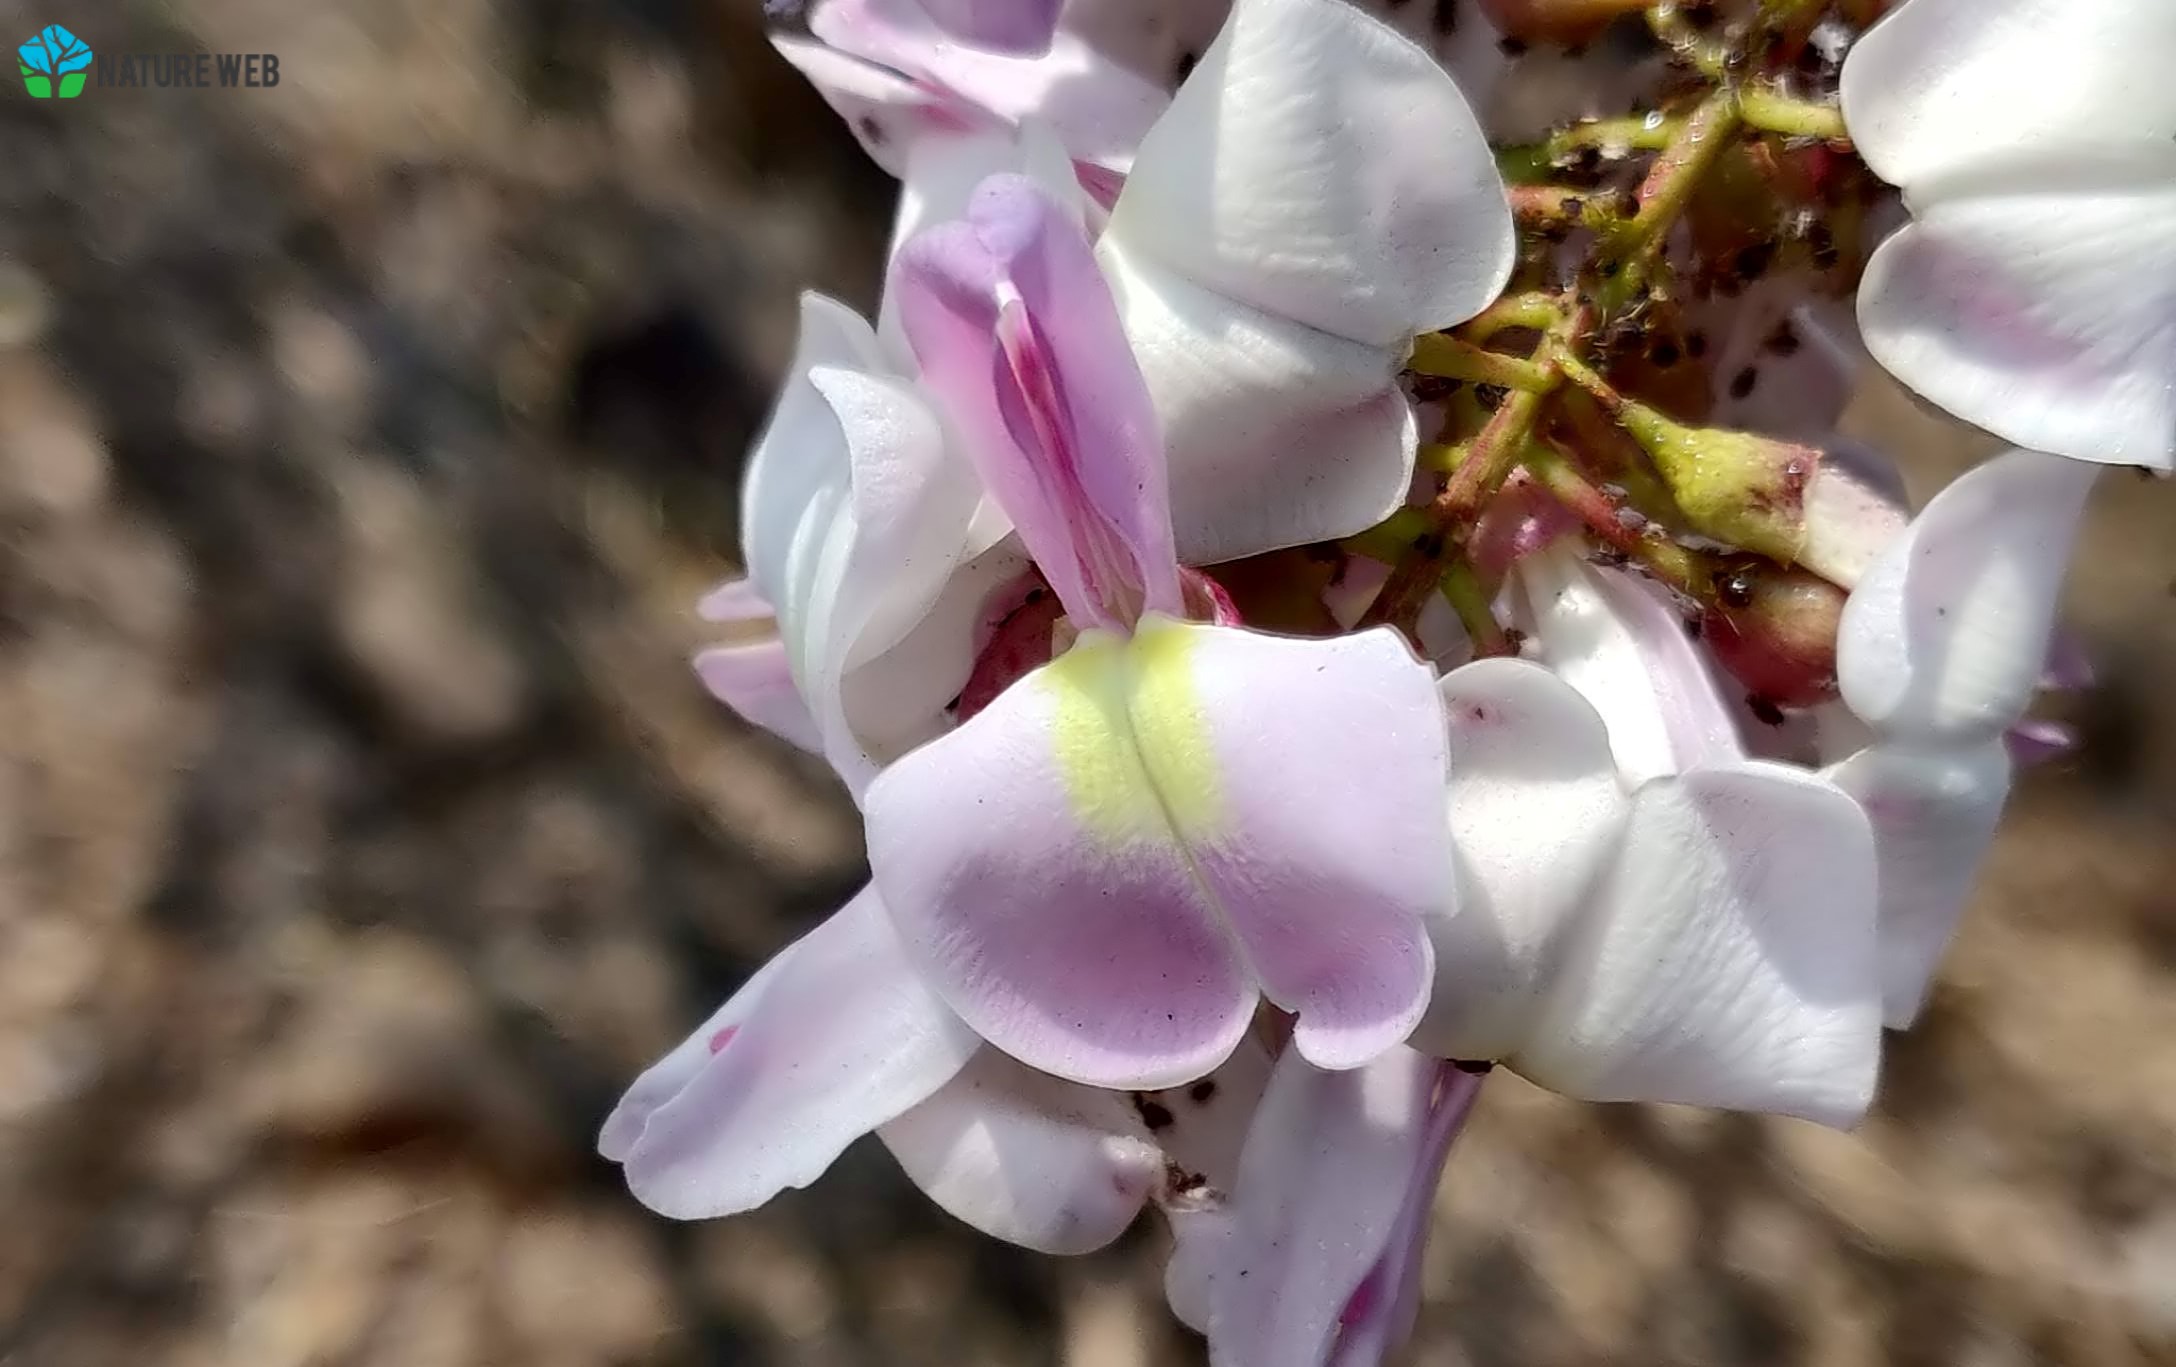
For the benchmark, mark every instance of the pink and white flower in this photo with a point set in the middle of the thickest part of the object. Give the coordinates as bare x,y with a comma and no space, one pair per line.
1179,802
1644,914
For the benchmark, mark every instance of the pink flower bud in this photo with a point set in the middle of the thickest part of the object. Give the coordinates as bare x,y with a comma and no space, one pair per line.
1775,631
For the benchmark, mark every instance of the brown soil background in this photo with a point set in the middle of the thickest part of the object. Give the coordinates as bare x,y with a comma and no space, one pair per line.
363,443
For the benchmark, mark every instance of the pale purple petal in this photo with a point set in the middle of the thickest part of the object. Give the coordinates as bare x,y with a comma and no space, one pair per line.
1061,1168
1728,958
1067,928
1015,330
1622,647
1027,1158
735,600
1934,816
1018,27
1381,1314
756,681
2032,741
890,114
1100,110
1327,1170
1945,637
1535,814
834,1037
1166,802
1325,843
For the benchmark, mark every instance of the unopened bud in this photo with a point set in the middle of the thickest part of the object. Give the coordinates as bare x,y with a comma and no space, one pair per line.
1556,21
1733,486
1775,631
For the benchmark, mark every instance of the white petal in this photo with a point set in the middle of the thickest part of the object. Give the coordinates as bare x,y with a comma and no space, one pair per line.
1946,87
1728,957
836,1036
1279,434
1944,638
1319,166
2045,314
802,450
1626,650
1535,812
1934,816
1855,508
1026,1158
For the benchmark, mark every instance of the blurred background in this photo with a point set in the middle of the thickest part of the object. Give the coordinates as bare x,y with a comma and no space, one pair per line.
364,442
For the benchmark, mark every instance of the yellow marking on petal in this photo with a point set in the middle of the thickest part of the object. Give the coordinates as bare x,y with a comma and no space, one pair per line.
1170,727
1131,741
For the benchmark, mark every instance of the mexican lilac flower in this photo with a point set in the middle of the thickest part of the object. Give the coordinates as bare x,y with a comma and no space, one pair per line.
1644,914
1104,870
875,543
2034,291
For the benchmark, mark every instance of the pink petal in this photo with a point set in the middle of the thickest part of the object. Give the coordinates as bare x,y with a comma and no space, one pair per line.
1180,812
1326,1173
1727,958
1535,815
756,682
1027,1158
1934,816
1016,27
1099,109
1329,849
1945,637
735,600
834,1037
1015,329
889,114
1061,1168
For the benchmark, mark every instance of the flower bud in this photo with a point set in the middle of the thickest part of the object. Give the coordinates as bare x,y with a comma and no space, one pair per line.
1775,631
1733,486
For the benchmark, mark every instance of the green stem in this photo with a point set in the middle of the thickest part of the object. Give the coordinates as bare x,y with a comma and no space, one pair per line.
1436,353
1461,588
1614,137
1771,112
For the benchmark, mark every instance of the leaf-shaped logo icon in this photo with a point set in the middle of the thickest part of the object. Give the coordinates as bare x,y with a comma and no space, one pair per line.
55,54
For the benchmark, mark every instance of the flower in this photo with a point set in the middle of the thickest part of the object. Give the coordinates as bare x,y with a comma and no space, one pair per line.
1643,913
1179,802
1942,645
862,529
837,1037
2034,292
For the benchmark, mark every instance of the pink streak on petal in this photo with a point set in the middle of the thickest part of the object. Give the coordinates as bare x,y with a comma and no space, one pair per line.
1016,332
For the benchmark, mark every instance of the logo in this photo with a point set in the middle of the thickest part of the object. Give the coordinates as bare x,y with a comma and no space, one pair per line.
55,58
